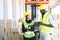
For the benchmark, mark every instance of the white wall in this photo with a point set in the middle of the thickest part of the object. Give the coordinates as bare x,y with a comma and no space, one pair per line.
1,9
9,9
12,10
56,10
22,8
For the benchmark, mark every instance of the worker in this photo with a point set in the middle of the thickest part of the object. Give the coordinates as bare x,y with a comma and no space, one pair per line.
28,33
46,23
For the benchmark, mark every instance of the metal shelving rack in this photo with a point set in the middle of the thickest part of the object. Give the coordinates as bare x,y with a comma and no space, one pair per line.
34,4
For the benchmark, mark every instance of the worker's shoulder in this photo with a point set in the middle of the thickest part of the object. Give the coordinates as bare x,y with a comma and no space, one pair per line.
48,14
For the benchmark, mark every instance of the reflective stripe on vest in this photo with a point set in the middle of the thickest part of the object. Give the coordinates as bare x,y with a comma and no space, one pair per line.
45,19
28,33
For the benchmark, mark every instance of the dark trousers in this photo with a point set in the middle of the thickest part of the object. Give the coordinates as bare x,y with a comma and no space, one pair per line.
28,38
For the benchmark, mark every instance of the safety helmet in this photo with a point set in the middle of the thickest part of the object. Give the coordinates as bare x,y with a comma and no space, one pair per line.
27,13
42,6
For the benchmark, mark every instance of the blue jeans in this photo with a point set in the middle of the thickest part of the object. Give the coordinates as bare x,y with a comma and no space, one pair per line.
44,36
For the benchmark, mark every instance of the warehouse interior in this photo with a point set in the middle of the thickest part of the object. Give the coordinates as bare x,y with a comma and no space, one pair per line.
12,10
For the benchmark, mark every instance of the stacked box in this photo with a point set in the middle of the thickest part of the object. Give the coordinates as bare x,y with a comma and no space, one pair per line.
2,29
8,25
8,29
2,26
21,37
8,35
15,34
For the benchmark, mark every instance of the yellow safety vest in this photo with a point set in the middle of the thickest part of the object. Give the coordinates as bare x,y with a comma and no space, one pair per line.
28,33
45,19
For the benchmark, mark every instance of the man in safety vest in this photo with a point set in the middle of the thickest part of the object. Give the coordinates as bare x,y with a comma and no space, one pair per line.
28,33
46,23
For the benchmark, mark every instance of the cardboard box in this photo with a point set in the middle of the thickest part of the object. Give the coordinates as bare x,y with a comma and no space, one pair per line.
8,29
2,21
8,21
21,37
8,25
14,29
1,30
8,35
15,34
2,26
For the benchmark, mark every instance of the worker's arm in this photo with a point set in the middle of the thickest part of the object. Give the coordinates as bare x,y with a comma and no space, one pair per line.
51,22
49,25
23,28
51,19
